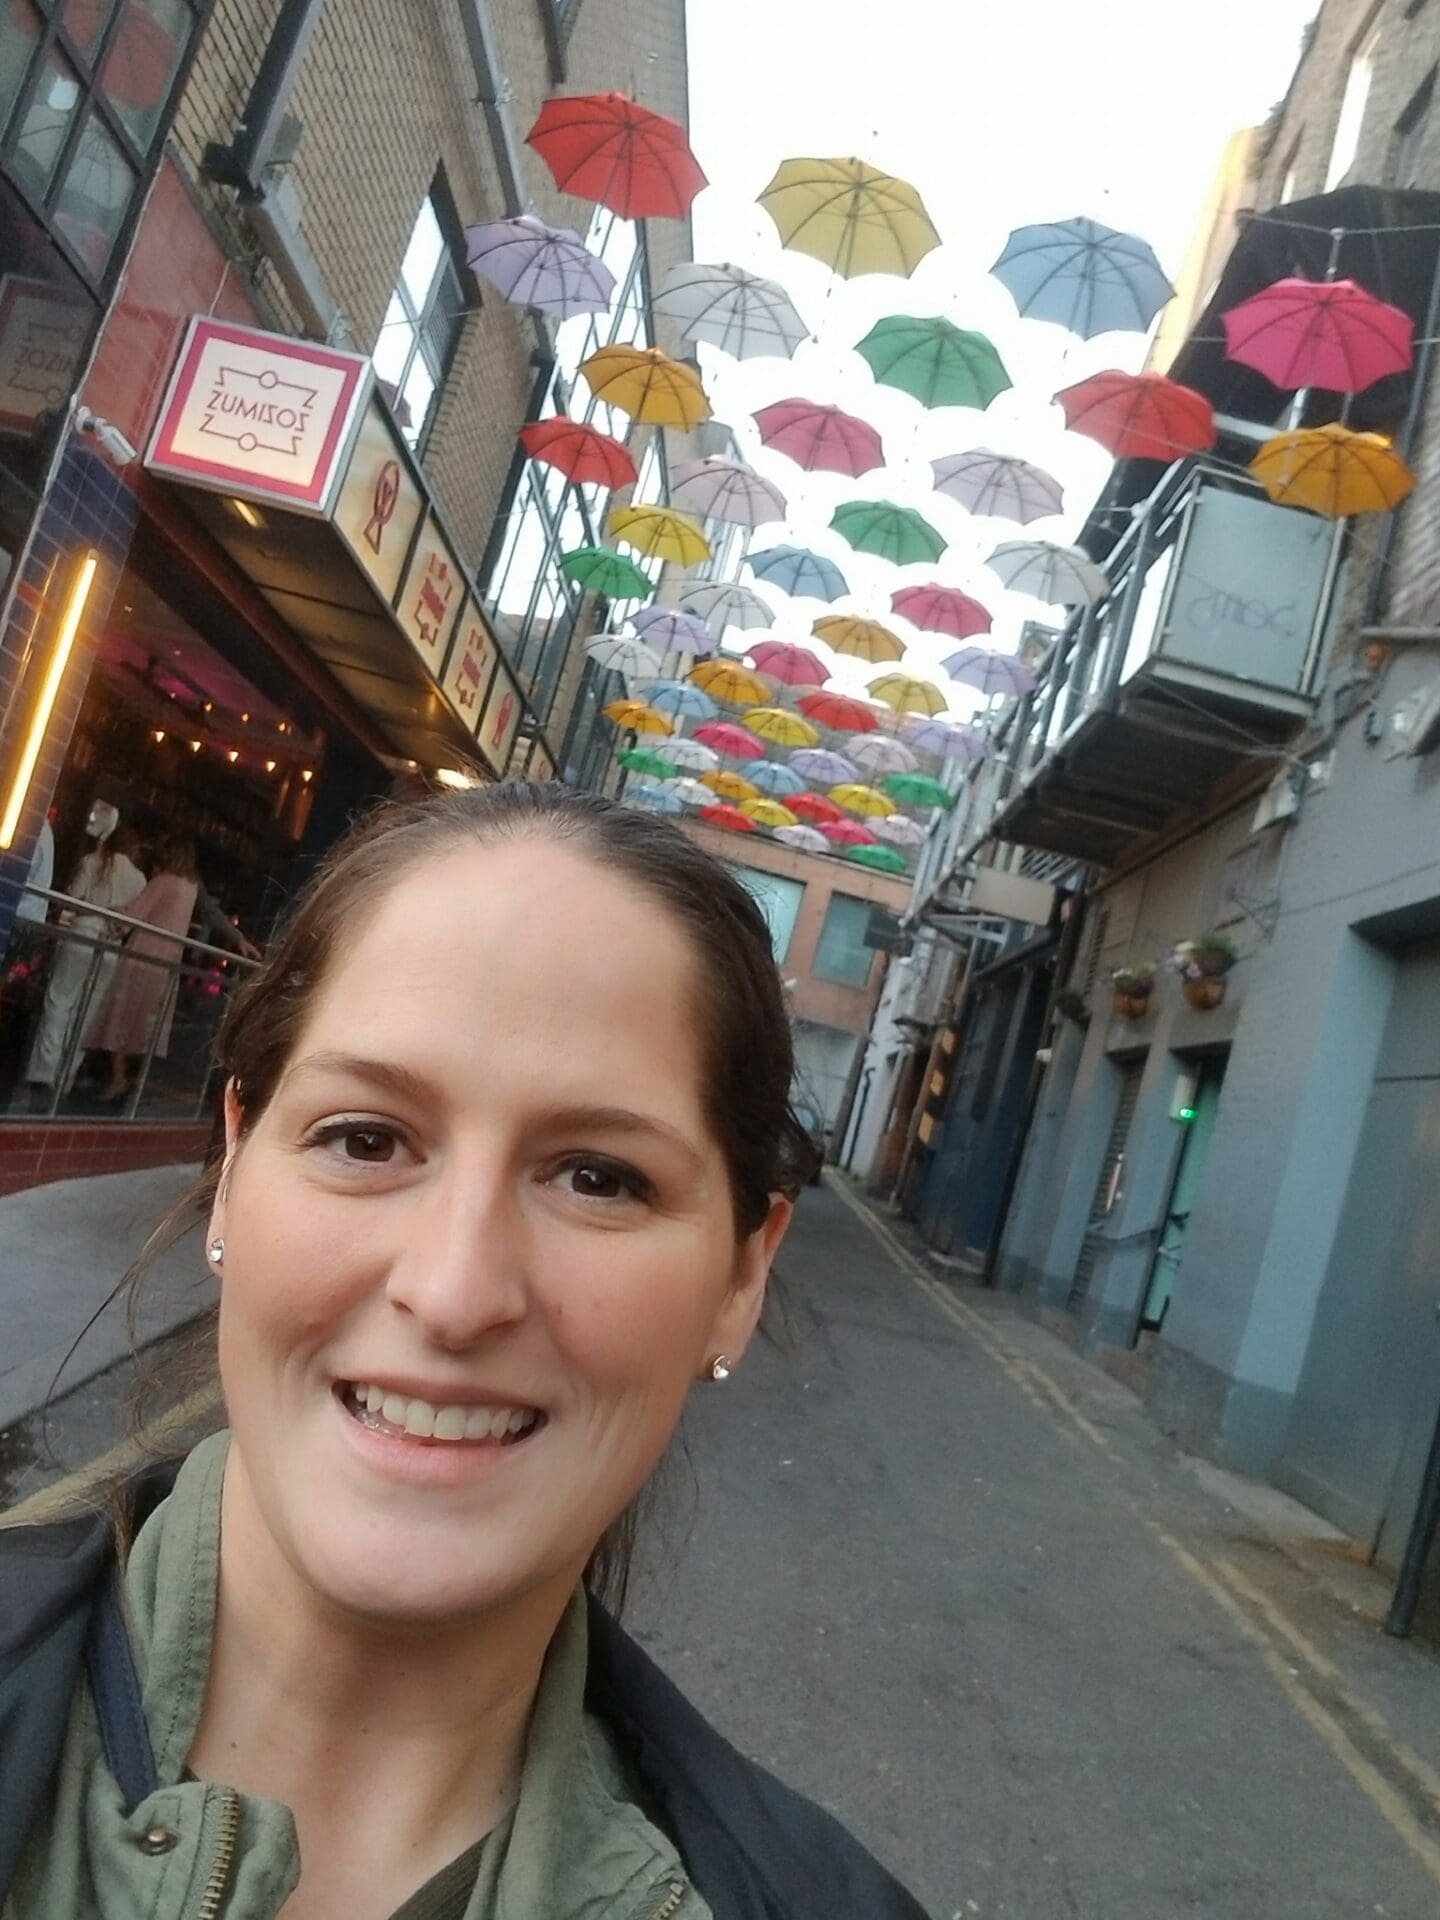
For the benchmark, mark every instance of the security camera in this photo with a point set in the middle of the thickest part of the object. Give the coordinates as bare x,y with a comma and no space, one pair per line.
109,436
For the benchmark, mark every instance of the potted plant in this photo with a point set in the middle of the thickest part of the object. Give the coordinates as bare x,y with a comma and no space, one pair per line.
1131,988
1071,1004
1202,964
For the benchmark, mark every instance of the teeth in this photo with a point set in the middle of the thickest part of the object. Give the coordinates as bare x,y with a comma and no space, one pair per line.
374,1406
450,1423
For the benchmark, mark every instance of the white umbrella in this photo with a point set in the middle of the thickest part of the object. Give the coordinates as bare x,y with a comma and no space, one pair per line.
899,830
1061,576
674,630
804,839
989,672
622,654
881,753
693,792
693,755
947,738
998,485
720,489
736,311
722,605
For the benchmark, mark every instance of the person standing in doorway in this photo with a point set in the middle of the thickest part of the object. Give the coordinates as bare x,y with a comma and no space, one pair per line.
141,997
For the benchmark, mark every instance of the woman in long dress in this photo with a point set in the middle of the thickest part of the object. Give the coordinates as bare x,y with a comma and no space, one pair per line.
141,997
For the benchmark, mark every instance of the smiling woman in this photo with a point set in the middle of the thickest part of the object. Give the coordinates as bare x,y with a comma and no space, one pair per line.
508,1155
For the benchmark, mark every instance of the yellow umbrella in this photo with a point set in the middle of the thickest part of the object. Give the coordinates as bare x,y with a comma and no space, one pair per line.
850,215
660,534
784,728
769,813
648,385
636,717
1333,470
906,694
728,680
731,786
863,800
862,639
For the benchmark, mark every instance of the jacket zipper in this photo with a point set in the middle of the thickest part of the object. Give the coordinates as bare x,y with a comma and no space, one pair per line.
219,1879
671,1903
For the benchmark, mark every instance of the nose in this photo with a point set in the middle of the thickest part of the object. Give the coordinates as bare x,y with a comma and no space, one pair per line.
460,1270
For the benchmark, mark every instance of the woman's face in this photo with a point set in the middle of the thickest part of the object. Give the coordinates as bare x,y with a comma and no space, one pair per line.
480,1243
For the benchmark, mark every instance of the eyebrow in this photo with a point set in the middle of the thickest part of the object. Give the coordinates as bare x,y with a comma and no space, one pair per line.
385,1074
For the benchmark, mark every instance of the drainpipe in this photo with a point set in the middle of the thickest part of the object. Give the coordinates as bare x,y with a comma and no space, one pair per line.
494,94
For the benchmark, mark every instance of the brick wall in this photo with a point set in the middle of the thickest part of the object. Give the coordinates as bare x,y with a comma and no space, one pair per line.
33,1155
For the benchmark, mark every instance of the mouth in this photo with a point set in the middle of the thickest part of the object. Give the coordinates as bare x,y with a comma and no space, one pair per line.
403,1417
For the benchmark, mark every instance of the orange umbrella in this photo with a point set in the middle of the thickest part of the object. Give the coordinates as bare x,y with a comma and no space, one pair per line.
648,385
728,680
636,717
1333,470
861,639
731,786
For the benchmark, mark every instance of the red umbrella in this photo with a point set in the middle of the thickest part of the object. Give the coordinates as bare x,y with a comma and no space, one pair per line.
846,833
940,609
820,439
791,665
581,453
1144,416
838,710
1319,333
731,817
604,147
725,737
816,808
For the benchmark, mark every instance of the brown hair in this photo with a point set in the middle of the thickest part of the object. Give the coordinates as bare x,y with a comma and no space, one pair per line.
175,854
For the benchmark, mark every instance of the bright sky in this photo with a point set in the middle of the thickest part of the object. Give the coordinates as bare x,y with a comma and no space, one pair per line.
1001,115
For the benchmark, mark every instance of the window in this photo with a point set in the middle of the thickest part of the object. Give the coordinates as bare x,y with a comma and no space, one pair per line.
840,953
1358,78
1290,179
422,324
1410,132
779,900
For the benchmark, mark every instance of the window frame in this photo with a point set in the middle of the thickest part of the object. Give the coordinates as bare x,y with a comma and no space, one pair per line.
1409,133
451,262
835,979
1362,51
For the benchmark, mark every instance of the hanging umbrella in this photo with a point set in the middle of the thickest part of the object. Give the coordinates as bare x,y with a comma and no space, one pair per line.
693,793
693,755
738,312
729,786
847,833
988,671
599,570
882,753
897,534
648,385
901,831
799,572
634,716
820,439
581,453
1139,416
905,693
827,769
938,363
731,817
776,779
670,630
937,609
768,813
803,839
720,489
917,790
1083,275
816,808
642,760
947,738
788,664
882,859
1061,576
727,680
603,147
680,700
1333,470
998,486
640,793
722,605
659,534
535,265
1319,333
862,800
782,729
725,737
861,639
850,215
839,711
621,654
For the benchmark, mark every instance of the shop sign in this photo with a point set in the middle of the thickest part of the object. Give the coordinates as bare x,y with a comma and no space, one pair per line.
43,330
542,767
472,661
431,596
259,414
379,504
500,721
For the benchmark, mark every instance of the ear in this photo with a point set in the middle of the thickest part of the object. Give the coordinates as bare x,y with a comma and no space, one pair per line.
740,1313
234,1119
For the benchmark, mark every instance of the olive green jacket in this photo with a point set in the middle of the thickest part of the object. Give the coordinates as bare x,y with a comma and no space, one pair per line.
575,1846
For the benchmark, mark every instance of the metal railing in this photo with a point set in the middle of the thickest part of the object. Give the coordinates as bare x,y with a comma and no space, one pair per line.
55,977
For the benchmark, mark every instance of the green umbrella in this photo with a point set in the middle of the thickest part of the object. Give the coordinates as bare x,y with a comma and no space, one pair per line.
917,790
941,364
640,760
600,571
885,859
894,533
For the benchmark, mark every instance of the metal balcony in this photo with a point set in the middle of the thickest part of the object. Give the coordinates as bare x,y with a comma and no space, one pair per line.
1201,660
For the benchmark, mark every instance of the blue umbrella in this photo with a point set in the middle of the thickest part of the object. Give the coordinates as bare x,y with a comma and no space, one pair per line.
1083,275
798,571
773,778
645,793
679,698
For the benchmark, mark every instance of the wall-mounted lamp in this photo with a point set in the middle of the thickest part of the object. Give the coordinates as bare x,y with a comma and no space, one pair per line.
70,619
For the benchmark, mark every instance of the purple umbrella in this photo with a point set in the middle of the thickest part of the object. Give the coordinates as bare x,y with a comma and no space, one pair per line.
535,265
822,767
946,738
990,672
671,630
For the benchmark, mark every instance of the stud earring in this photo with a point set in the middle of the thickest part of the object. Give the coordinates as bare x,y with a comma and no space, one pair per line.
216,1251
720,1368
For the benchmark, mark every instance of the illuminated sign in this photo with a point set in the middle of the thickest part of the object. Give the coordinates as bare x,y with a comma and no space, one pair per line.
472,661
379,505
431,596
500,721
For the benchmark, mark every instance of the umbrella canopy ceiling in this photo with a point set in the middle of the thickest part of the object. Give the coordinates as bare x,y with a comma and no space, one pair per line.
1334,471
642,760
726,605
839,711
1086,277
820,439
1061,576
679,699
827,769
861,639
692,793
619,653
768,813
906,693
799,572
738,312
850,215
660,534
644,793
815,807
803,839
1139,416
1320,333
672,630
989,672
882,753
730,786
791,666
847,833
582,453
937,609
607,148
901,831
730,817
725,737
898,534
693,755
599,570
936,362
998,486
721,489
634,716
648,385
775,778
947,739
727,680
881,859
781,728
535,265
917,790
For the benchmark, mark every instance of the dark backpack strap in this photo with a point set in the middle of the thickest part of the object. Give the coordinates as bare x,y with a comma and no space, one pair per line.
115,1689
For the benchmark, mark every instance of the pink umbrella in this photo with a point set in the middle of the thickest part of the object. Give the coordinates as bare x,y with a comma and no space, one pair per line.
991,672
791,665
939,609
1319,333
820,439
846,833
725,737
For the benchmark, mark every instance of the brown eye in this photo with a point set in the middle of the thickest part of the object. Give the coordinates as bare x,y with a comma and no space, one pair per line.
369,1144
597,1182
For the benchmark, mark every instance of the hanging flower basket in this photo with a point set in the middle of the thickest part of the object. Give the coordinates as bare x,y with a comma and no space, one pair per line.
1202,965
1131,988
1206,992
